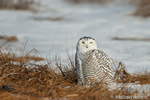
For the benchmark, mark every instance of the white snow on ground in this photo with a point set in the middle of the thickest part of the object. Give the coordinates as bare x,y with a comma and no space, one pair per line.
102,22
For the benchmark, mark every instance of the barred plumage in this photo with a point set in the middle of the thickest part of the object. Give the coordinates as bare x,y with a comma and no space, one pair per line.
92,65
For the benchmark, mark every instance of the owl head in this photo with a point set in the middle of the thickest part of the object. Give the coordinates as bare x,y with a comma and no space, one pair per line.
85,44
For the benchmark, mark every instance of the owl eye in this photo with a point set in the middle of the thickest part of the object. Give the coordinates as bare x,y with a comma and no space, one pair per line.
83,42
91,42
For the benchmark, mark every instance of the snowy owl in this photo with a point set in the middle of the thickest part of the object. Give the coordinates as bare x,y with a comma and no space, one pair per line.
92,65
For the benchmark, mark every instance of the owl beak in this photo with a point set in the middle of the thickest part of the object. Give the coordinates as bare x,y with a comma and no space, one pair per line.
87,46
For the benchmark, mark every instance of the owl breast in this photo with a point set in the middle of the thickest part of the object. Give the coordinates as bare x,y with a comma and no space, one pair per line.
92,67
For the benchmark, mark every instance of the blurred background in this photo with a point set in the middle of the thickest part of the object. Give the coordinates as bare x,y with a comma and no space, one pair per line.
53,27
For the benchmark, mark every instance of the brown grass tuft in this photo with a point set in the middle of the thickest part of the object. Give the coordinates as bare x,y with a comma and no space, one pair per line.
89,1
18,80
131,38
27,59
17,4
8,38
48,18
143,9
141,79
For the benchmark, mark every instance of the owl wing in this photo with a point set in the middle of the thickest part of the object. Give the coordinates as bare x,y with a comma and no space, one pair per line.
103,61
80,78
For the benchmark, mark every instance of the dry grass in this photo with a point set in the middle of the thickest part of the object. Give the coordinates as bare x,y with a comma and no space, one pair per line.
132,38
143,9
8,38
57,81
49,18
17,4
144,79
25,58
43,81
89,1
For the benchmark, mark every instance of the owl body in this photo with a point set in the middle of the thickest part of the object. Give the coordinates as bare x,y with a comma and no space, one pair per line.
92,65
